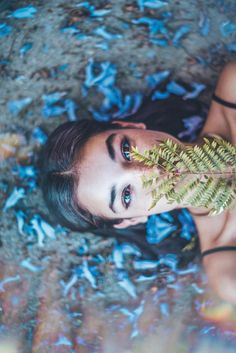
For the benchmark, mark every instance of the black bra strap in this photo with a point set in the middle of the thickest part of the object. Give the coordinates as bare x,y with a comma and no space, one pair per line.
223,102
218,249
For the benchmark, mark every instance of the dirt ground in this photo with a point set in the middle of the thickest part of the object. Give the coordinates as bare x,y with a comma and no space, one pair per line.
62,287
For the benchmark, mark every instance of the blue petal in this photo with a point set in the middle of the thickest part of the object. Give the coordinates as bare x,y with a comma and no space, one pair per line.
39,135
227,28
154,4
55,110
24,12
182,31
17,194
175,88
197,89
154,79
53,97
5,30
204,25
70,30
98,13
231,47
160,95
25,48
126,284
103,46
71,107
159,42
143,265
15,107
99,116
101,31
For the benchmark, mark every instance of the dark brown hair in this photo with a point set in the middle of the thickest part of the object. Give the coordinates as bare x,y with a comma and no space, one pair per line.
59,178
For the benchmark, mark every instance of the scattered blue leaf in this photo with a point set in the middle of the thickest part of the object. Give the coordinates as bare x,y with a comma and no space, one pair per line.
99,116
117,256
83,248
81,36
8,280
21,217
91,9
39,135
25,48
143,278
158,229
165,309
70,107
17,194
103,46
35,223
231,47
197,89
101,31
70,30
42,229
99,13
88,274
151,4
204,25
63,341
126,284
24,12
143,265
169,260
160,95
67,286
105,77
130,249
53,97
197,288
188,229
155,26
180,33
49,110
159,42
154,79
175,88
192,125
29,266
191,268
15,107
5,30
227,28
24,172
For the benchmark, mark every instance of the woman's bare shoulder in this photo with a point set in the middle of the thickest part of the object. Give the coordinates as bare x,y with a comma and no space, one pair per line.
226,85
220,270
221,119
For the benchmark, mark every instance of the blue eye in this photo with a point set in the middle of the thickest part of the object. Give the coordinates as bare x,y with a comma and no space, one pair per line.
126,196
125,149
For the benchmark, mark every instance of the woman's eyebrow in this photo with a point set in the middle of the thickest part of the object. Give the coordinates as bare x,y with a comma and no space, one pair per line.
112,198
110,148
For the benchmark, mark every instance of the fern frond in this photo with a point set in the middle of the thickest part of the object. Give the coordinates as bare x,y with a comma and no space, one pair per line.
184,190
200,176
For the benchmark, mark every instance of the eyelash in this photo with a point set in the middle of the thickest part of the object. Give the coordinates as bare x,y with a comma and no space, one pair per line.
126,190
125,149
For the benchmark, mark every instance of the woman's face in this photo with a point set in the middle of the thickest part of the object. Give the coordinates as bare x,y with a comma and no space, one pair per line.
110,182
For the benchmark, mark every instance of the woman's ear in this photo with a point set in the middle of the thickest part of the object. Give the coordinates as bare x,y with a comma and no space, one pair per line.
127,222
129,124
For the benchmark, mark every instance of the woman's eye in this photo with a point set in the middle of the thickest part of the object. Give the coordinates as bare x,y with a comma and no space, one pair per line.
126,196
125,149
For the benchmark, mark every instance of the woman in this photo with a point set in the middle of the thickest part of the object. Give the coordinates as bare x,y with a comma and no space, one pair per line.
90,178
